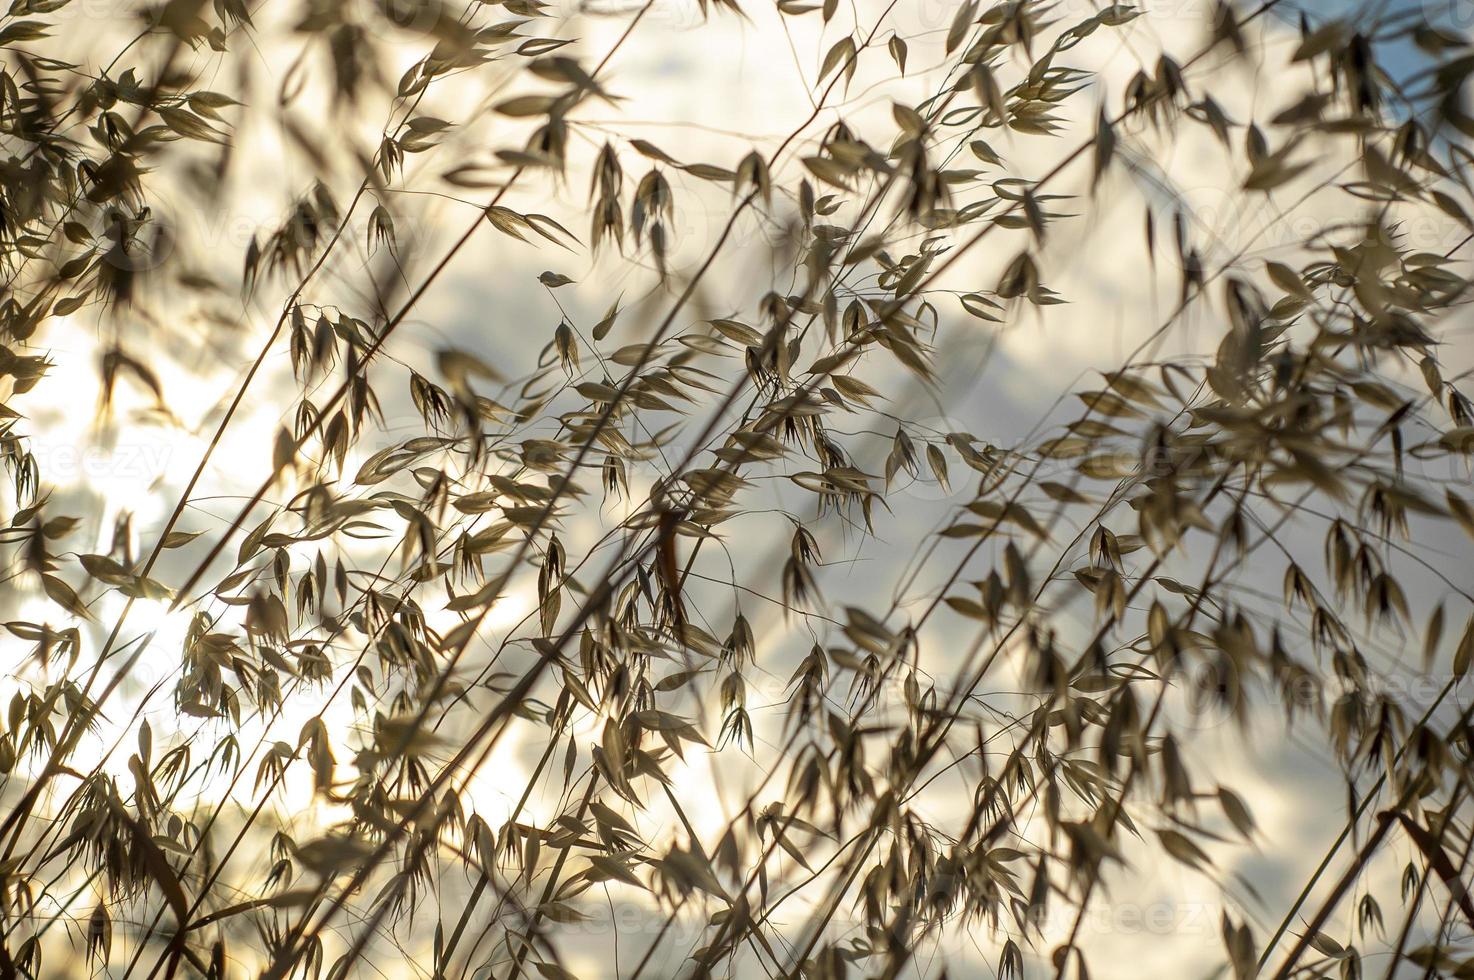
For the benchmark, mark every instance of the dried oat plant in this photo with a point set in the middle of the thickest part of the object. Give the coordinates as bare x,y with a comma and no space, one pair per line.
669,613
